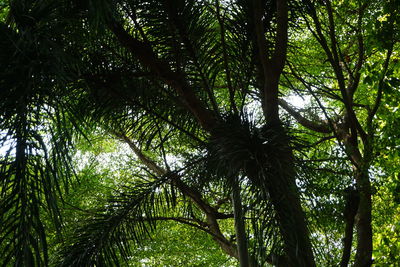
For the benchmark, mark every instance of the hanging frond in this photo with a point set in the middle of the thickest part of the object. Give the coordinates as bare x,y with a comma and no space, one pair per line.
106,238
35,133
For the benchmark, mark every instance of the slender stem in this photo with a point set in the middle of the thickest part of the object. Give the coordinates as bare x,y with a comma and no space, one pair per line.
378,98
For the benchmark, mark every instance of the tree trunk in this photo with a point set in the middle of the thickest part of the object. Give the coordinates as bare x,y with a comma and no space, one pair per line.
284,195
241,238
364,220
350,211
285,198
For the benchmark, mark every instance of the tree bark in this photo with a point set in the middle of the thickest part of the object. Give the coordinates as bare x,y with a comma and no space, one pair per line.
285,198
350,211
281,183
241,238
363,221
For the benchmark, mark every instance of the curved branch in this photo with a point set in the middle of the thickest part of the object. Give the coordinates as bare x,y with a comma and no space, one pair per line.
184,37
211,213
145,54
320,126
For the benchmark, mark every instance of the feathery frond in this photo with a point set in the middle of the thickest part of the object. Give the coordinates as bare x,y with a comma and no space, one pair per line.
106,238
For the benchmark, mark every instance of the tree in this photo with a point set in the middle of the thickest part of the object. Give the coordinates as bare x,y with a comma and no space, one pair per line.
345,78
198,81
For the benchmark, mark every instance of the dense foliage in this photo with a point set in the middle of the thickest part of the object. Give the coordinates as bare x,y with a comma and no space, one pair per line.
199,133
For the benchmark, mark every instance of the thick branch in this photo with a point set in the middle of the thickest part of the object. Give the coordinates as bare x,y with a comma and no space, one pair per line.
281,40
174,17
144,53
319,126
260,36
272,67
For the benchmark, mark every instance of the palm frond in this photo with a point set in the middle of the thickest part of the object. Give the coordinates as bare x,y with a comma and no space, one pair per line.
105,239
35,133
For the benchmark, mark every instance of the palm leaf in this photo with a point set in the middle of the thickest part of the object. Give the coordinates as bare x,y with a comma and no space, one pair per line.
106,238
36,167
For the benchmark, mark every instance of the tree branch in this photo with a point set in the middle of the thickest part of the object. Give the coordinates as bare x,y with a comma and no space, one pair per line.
272,67
360,58
334,49
318,32
184,37
260,36
144,53
279,56
334,60
211,213
380,86
320,126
